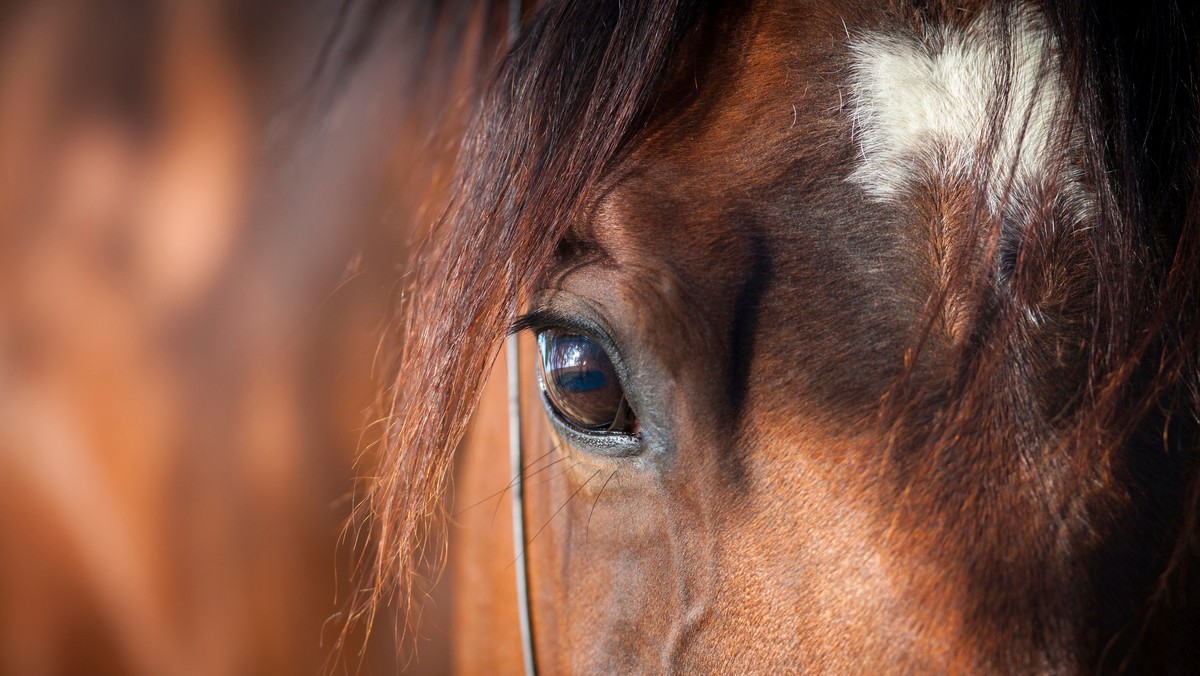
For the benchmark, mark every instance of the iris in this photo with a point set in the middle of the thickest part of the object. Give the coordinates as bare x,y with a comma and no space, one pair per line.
580,382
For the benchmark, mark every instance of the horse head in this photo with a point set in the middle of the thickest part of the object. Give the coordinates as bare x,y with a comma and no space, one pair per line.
853,335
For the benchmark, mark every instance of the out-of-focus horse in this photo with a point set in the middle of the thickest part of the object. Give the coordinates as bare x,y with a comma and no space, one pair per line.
202,210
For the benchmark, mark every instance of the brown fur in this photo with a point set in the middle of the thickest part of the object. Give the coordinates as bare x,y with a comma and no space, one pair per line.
916,436
199,234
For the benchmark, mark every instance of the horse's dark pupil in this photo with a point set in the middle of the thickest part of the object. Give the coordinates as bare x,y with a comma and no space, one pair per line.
579,379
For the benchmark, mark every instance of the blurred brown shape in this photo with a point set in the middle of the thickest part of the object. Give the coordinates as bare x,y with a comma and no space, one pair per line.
199,242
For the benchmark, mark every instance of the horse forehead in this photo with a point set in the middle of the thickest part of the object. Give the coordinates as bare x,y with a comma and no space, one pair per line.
823,182
926,105
895,100
824,105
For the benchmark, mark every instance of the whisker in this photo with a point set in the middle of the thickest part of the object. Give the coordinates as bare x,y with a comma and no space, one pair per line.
543,481
510,485
512,481
546,481
560,508
587,531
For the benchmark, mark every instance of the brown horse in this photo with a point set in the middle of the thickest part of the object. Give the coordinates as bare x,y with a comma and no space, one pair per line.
197,241
856,336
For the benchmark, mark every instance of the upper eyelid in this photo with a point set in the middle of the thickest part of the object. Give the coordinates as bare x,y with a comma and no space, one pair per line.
540,320
594,329
545,319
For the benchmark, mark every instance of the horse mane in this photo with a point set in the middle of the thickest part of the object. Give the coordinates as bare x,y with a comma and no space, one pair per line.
562,104
579,84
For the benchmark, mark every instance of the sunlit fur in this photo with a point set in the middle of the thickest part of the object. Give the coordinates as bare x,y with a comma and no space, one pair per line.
929,103
918,388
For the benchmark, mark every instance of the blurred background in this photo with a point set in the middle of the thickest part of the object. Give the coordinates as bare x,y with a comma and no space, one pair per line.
205,209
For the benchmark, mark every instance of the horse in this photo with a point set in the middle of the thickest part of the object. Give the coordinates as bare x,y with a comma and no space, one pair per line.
194,269
846,336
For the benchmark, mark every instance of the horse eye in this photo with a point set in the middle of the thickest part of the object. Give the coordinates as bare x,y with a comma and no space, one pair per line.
581,384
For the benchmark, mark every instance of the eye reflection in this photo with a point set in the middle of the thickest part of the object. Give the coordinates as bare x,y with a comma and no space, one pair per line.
581,383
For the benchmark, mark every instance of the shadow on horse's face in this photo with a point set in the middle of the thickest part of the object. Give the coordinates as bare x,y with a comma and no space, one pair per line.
759,308
761,302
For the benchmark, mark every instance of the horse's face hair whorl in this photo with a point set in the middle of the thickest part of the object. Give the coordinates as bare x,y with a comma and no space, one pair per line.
930,102
903,299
